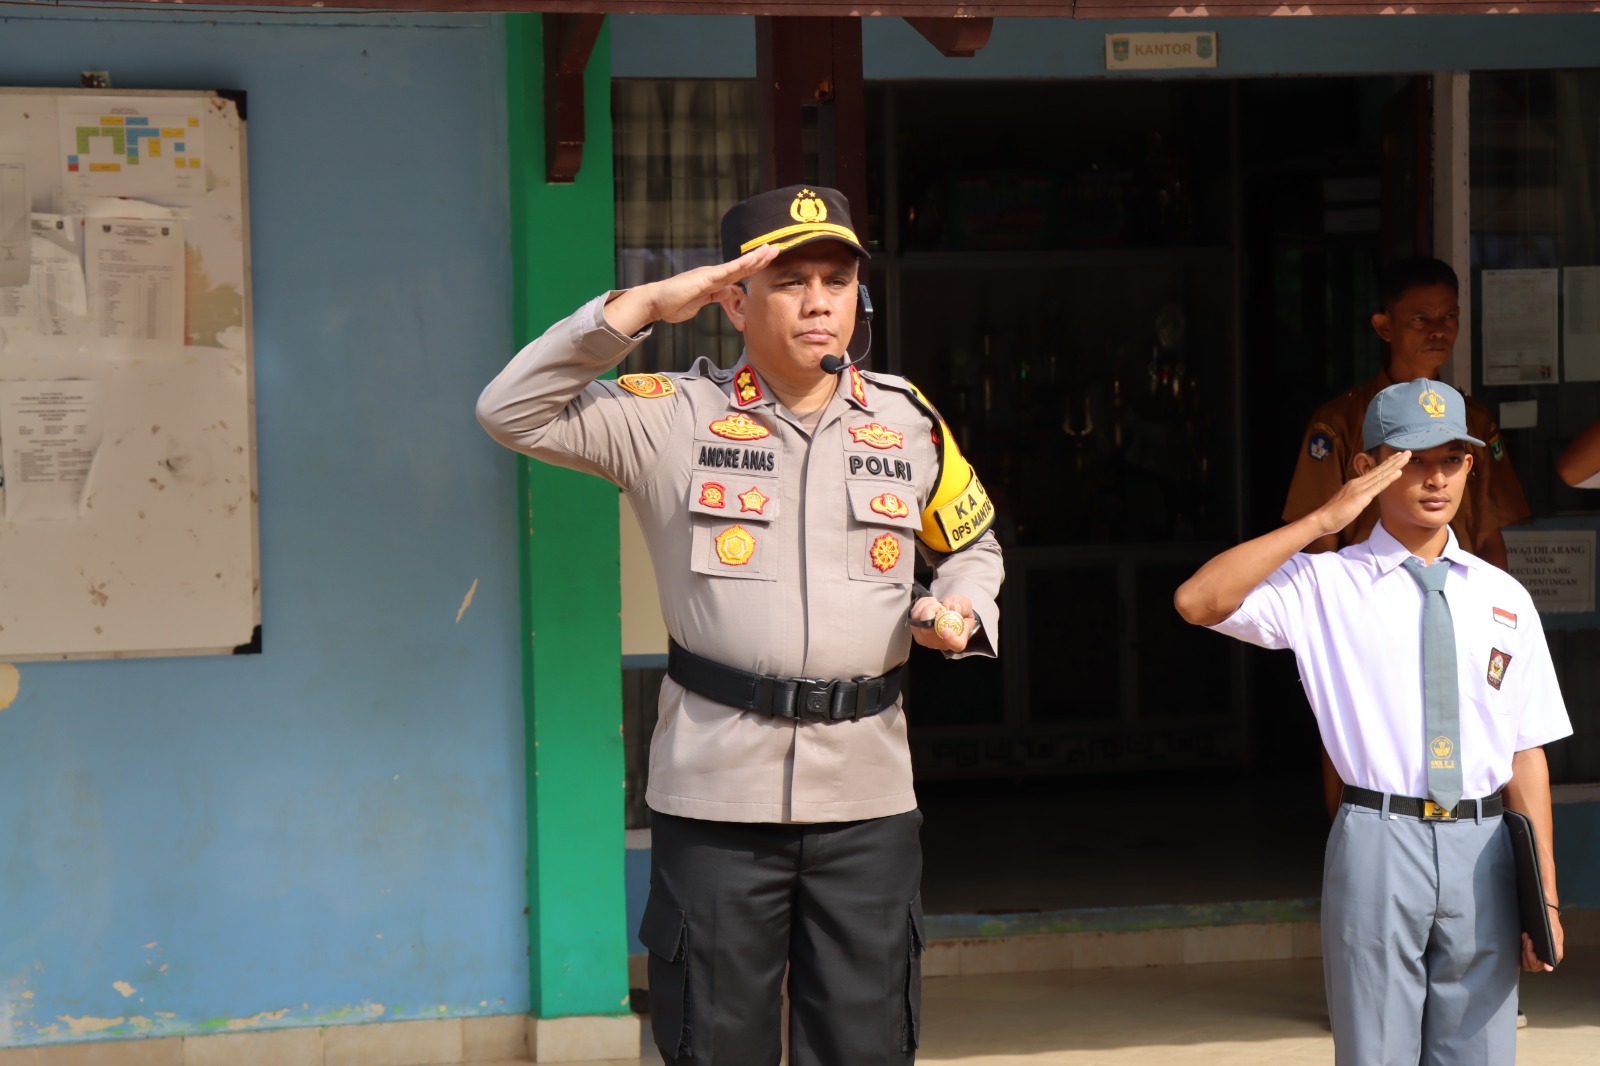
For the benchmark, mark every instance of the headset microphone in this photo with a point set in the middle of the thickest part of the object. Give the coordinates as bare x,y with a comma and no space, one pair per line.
832,364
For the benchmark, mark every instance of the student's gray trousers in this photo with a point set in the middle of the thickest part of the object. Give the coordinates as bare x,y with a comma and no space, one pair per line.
1421,942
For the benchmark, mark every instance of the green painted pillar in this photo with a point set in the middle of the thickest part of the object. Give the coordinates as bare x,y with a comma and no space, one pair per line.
563,252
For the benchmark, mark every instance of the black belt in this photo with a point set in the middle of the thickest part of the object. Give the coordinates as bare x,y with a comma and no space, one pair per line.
1489,806
784,697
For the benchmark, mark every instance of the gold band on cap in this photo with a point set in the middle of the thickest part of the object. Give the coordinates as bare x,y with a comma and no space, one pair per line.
800,233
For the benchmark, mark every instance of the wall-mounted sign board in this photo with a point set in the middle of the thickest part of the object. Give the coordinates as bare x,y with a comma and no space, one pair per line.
1160,51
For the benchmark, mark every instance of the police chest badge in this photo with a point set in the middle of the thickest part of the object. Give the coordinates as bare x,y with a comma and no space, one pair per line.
735,546
739,427
1498,662
649,386
885,552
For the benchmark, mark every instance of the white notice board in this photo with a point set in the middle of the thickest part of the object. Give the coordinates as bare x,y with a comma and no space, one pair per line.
128,516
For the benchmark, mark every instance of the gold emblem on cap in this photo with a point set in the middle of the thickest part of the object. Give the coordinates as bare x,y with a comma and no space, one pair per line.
1431,402
808,207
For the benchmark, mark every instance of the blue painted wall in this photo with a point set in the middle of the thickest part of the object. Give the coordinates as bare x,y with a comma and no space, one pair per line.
334,829
665,46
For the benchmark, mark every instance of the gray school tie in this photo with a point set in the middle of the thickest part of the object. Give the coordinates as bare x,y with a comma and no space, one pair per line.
1441,696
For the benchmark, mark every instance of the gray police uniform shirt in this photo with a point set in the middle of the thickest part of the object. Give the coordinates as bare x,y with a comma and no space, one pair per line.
775,551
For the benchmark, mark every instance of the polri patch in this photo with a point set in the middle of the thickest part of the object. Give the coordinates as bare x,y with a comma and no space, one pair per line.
1499,661
713,495
649,386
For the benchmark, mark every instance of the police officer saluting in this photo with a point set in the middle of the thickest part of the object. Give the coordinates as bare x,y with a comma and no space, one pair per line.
782,501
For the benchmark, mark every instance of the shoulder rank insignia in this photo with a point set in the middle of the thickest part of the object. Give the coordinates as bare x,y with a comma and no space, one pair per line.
876,435
739,427
713,495
746,387
735,546
752,499
650,386
886,552
858,387
890,504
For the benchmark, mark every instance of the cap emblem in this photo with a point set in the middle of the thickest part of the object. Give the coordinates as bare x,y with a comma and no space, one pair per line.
1431,402
808,207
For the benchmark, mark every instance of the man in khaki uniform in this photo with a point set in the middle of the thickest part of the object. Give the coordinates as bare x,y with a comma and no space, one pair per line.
1420,319
782,501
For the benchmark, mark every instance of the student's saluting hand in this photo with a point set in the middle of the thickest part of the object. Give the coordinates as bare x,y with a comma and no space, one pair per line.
1354,495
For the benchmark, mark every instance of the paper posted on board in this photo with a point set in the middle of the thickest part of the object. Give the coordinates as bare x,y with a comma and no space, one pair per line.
1520,331
50,432
15,207
1580,324
54,302
135,278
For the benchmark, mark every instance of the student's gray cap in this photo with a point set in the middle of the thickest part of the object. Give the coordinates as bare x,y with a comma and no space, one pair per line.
1415,415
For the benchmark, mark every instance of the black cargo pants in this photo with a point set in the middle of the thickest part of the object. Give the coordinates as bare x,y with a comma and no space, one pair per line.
733,903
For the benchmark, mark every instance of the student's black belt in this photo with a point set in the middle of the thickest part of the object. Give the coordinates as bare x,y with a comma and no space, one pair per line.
1489,806
784,697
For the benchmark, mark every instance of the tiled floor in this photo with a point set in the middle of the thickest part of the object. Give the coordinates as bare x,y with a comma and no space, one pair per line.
1228,1014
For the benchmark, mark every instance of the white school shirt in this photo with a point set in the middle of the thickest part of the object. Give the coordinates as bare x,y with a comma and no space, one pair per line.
1354,621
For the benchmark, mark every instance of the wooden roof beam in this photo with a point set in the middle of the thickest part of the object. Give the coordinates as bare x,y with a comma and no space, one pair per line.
957,38
568,42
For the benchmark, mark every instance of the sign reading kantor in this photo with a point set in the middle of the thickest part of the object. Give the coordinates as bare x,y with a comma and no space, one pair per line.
1160,51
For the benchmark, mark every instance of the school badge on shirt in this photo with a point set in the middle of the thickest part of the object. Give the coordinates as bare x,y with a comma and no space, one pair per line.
1498,662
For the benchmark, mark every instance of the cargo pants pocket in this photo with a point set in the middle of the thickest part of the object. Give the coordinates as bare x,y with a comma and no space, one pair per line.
916,943
664,930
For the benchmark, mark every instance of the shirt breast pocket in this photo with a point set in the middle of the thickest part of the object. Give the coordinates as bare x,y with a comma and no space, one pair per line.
732,518
883,524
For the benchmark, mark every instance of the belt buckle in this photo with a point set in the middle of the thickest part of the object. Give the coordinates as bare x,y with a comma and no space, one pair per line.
813,698
1432,812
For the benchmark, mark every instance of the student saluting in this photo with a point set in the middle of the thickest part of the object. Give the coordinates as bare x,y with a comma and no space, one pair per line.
1432,685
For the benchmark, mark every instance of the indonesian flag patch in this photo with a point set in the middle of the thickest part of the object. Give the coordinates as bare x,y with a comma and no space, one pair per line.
1505,617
